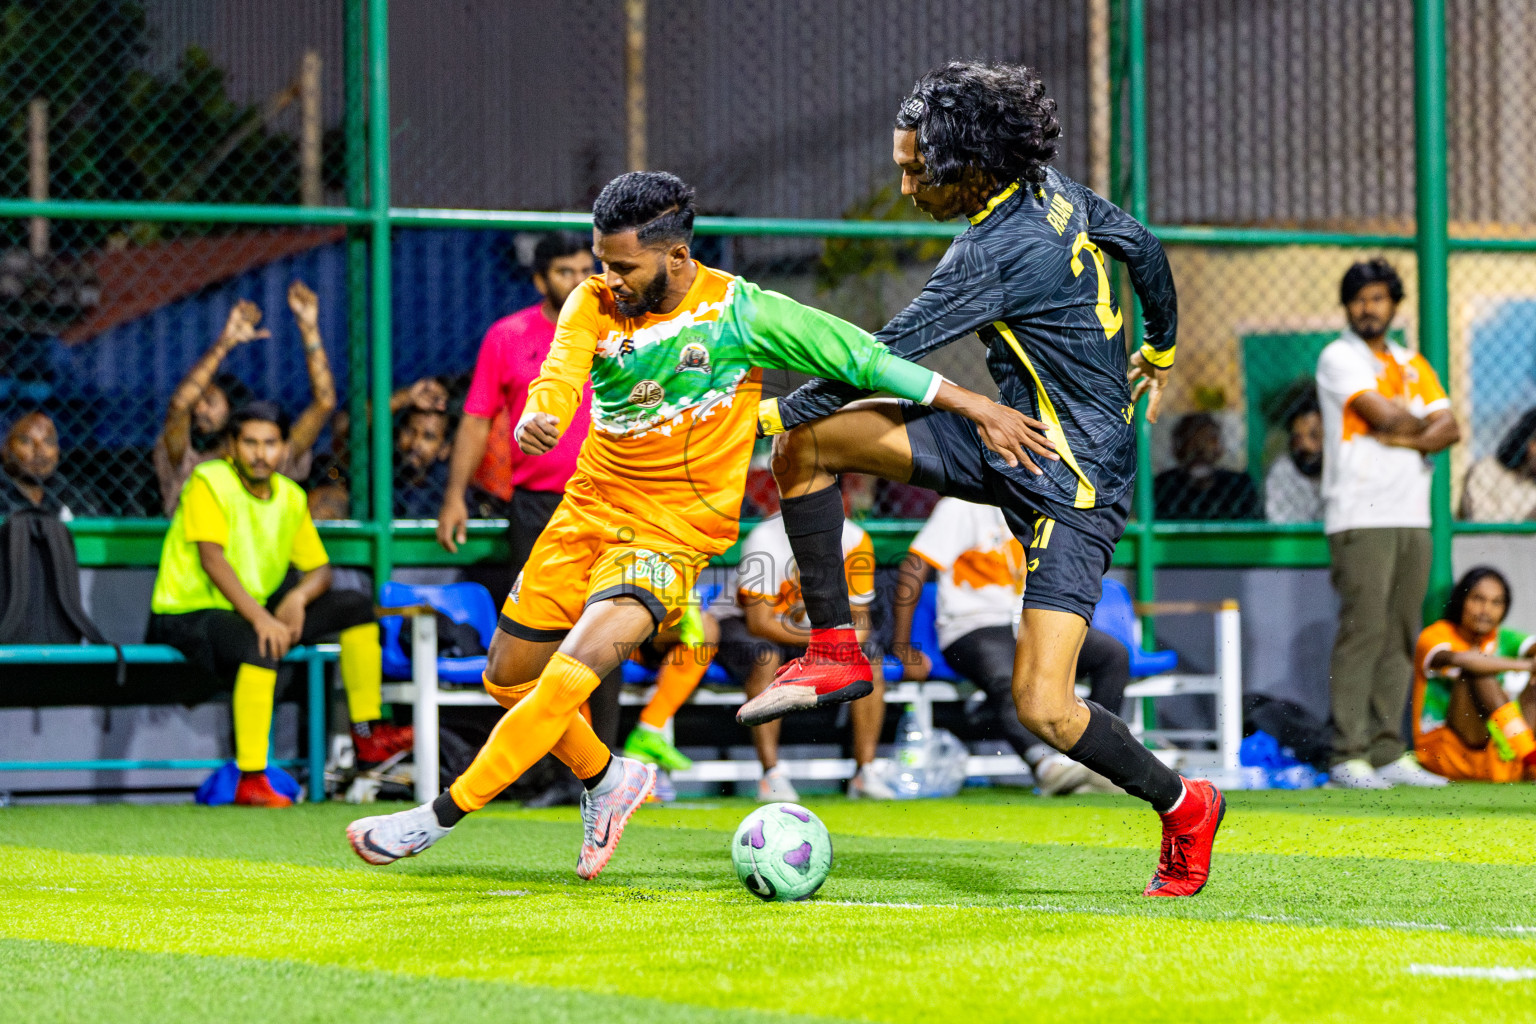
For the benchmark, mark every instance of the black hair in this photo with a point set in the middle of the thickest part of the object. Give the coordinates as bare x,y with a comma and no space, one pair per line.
412,412
236,391
993,117
1456,604
1370,272
656,205
1517,438
553,246
1306,403
259,411
1185,428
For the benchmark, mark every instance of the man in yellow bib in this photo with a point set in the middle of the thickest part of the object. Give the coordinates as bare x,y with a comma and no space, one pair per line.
220,597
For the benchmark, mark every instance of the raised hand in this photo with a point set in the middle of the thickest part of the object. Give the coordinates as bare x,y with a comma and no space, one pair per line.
241,325
305,305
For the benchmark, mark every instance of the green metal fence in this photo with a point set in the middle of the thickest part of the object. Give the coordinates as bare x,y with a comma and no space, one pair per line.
370,219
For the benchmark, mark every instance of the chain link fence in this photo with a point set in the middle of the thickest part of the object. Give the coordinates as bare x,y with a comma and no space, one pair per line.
1279,114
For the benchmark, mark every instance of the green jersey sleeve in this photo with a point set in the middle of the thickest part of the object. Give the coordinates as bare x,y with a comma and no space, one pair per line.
782,334
1515,644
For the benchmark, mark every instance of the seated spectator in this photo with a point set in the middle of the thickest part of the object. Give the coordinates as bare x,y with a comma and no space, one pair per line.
981,584
763,625
1501,488
31,462
330,500
1197,488
421,463
199,411
1293,490
225,598
1465,724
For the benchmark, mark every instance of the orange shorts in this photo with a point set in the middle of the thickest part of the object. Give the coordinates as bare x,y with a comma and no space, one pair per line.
591,552
1442,752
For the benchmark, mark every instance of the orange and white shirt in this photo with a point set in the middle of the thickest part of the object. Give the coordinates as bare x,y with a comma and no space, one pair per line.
767,573
980,564
1367,484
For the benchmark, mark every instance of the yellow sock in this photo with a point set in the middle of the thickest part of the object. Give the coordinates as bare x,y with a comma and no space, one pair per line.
362,671
526,733
251,709
1515,729
678,677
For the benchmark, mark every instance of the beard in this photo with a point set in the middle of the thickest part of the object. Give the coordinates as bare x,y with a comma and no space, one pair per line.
206,441
1308,463
648,300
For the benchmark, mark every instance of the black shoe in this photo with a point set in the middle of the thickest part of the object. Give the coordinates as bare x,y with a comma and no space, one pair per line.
564,793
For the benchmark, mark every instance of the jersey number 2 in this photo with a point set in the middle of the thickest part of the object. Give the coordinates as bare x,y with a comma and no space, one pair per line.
1109,316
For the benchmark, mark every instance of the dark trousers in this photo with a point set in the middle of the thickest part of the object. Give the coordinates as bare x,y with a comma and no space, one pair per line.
220,641
985,657
1381,576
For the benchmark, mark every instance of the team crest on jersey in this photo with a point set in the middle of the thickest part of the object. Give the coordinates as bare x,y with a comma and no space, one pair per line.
650,566
647,394
694,356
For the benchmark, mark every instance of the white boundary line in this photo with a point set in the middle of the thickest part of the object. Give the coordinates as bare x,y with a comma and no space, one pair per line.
1486,973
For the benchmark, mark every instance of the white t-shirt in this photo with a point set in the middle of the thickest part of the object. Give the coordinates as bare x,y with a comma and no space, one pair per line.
1290,496
980,564
1366,484
767,572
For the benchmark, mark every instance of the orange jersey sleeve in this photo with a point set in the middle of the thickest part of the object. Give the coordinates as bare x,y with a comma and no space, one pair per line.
859,567
562,380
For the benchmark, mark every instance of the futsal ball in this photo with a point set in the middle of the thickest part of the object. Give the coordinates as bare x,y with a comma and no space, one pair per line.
782,852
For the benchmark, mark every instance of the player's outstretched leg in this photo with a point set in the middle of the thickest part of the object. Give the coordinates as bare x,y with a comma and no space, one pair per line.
866,437
1044,667
544,717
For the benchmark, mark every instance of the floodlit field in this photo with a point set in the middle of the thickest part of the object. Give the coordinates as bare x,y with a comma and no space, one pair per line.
997,906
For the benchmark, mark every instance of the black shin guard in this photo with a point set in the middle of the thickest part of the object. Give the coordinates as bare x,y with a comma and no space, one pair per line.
1108,747
814,523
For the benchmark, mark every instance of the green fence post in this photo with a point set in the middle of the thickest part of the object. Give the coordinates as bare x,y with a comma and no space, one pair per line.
1433,245
379,286
1136,90
356,132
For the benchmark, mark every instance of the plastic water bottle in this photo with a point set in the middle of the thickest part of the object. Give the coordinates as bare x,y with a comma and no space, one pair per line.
911,755
927,764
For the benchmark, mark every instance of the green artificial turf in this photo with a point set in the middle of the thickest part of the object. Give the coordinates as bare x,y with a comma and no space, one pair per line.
995,906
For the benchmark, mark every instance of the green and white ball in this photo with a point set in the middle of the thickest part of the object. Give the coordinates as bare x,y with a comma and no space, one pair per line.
782,852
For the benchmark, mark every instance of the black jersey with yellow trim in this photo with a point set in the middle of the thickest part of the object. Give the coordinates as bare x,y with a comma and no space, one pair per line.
1028,276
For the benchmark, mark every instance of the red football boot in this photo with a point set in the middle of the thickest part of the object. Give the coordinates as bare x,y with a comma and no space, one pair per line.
1189,832
833,670
376,742
255,791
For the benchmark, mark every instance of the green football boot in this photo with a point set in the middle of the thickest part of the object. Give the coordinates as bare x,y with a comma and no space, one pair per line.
652,747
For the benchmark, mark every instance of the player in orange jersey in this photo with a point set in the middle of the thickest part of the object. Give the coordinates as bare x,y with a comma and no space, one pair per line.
673,351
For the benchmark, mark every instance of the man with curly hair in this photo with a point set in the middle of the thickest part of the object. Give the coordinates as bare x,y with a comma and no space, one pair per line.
1028,277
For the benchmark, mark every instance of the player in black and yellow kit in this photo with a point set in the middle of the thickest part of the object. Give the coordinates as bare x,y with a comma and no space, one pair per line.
1027,276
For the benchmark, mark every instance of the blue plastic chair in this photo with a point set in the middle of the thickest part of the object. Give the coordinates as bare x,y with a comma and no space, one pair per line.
925,637
468,603
1116,615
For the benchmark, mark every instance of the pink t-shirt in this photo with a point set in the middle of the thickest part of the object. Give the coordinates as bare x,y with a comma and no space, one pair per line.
510,357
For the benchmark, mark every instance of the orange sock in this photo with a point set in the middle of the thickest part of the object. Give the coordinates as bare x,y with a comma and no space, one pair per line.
1515,729
675,682
579,748
526,733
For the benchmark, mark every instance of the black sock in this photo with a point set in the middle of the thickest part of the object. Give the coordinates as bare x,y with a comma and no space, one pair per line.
591,783
448,813
1108,747
814,523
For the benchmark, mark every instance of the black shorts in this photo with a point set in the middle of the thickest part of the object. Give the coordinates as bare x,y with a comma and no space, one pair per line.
1067,550
219,641
741,650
